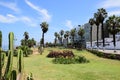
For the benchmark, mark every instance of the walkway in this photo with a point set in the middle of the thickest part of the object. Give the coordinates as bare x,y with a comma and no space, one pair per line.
110,51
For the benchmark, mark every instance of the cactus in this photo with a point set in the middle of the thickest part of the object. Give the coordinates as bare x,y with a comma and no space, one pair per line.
0,64
30,77
8,70
20,61
13,75
11,40
3,58
10,74
0,39
0,55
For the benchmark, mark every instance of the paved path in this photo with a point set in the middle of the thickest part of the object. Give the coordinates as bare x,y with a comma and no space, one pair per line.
111,51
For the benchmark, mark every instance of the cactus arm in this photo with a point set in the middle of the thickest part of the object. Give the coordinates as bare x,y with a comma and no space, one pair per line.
11,40
0,55
8,69
20,61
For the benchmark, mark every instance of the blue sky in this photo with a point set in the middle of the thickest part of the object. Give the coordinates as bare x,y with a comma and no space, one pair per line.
19,16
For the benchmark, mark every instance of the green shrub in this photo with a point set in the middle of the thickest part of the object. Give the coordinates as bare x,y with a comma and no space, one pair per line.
112,56
70,60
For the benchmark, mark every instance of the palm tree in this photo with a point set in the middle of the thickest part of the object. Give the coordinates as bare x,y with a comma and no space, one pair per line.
91,22
26,35
56,35
96,18
44,27
102,15
72,33
61,33
81,32
67,35
113,23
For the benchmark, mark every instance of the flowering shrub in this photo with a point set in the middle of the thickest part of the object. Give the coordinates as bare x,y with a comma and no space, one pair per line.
56,54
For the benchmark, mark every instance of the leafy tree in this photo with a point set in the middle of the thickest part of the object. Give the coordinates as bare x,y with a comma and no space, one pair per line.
91,22
113,23
44,27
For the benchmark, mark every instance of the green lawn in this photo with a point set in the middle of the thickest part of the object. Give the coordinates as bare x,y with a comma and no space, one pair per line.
98,68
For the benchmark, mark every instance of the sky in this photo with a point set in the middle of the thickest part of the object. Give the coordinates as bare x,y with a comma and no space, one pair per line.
19,16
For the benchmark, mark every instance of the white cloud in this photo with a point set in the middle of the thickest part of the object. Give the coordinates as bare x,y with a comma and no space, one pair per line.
42,12
110,3
9,18
10,5
69,24
114,13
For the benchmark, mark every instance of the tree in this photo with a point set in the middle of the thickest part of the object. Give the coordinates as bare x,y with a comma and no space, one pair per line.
91,22
72,33
61,34
102,15
56,35
96,18
81,32
26,37
67,35
113,23
44,27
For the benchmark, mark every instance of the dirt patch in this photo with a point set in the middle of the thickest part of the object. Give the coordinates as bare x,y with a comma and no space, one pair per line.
35,51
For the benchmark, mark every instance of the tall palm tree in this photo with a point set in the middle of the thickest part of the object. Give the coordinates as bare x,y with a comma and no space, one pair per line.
91,22
81,32
26,35
72,33
67,35
44,27
56,35
96,18
102,15
113,23
61,33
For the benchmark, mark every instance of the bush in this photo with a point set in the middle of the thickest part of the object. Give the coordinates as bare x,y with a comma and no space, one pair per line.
26,50
56,54
70,60
105,55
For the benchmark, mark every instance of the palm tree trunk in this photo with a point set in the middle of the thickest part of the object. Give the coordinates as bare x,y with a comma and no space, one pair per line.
67,40
97,35
73,40
43,39
103,37
114,42
91,36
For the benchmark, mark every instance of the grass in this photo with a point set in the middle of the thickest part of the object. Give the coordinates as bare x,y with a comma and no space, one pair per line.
98,68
